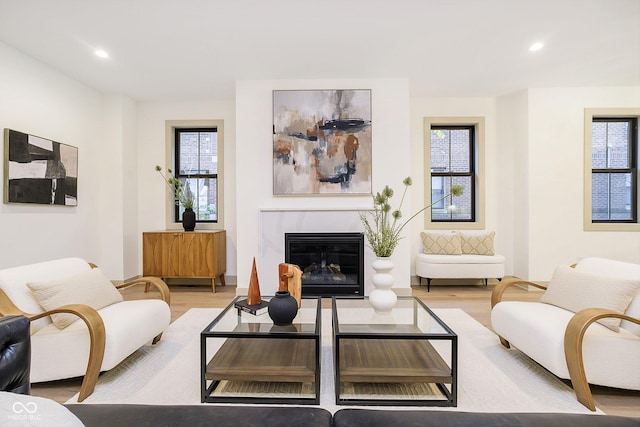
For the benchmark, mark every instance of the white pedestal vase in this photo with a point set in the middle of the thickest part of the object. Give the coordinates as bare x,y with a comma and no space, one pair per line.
382,298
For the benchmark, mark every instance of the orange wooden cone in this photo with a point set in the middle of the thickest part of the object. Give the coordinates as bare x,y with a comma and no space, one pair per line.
253,296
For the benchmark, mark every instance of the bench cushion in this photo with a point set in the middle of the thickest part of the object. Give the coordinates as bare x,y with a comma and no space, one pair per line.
459,266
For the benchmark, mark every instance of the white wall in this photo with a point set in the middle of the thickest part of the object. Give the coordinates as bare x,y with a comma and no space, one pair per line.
390,139
117,205
512,173
556,141
40,101
152,191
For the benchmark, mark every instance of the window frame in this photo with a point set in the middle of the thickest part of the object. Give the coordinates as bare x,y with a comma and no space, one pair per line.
610,114
478,158
171,153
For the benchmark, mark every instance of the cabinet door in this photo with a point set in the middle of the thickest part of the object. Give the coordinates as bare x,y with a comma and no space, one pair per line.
198,255
172,254
161,254
152,254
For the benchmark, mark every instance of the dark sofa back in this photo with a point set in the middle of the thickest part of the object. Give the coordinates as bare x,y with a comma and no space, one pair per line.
15,354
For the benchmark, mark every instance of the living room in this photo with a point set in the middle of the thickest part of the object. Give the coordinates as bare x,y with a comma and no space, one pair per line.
116,113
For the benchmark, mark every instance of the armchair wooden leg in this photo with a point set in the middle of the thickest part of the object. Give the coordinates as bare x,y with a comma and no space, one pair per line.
97,338
504,342
578,376
157,338
575,364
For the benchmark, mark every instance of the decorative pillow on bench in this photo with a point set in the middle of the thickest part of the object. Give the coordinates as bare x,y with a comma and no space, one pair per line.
441,243
456,243
478,244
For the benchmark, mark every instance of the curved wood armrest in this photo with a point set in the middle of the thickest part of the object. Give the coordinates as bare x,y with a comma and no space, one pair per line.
573,337
165,294
496,295
97,340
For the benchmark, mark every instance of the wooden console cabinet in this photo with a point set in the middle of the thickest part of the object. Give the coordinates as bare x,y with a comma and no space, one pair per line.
177,254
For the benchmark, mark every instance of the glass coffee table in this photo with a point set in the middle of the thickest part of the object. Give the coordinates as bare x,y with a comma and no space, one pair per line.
245,358
407,358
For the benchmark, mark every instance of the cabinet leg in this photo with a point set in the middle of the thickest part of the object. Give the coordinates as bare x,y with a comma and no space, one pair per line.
222,280
213,285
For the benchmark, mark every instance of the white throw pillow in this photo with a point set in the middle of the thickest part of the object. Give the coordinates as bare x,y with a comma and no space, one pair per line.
91,288
575,290
441,243
478,244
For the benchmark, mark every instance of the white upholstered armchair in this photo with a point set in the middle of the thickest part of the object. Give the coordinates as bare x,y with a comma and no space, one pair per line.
55,294
586,327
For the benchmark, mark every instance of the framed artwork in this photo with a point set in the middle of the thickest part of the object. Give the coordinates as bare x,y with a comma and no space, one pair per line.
38,170
321,142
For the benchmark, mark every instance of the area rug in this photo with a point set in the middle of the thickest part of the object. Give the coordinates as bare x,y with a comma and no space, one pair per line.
490,377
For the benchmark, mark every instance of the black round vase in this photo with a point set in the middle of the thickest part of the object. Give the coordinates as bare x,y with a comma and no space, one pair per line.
188,219
282,308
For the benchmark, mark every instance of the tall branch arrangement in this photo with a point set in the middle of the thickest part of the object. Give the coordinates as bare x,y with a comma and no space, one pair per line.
182,192
381,232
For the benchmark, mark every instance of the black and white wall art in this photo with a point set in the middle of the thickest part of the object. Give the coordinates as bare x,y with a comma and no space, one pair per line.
38,170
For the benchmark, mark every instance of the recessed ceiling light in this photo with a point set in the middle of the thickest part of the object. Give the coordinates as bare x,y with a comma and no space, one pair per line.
101,53
536,46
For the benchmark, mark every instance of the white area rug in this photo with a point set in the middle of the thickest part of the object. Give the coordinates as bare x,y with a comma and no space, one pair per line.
490,379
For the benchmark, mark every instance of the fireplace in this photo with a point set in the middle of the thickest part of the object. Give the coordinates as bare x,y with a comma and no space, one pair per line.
331,263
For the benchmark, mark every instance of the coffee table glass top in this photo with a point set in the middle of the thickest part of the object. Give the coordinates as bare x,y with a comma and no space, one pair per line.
232,322
409,317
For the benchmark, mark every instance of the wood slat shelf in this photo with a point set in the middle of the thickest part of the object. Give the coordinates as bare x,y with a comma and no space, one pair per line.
263,359
391,361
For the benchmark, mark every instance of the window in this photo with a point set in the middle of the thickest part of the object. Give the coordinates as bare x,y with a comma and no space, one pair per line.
196,148
613,169
452,163
454,153
611,181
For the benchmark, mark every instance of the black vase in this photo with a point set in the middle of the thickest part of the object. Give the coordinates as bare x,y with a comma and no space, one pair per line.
188,219
282,308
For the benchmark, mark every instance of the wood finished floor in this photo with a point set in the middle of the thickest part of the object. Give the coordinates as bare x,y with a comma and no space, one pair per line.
475,300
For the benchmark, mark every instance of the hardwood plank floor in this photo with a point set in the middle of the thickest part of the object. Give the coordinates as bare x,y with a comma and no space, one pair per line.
475,300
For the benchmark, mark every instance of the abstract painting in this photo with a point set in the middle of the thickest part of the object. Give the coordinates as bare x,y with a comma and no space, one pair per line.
39,170
321,142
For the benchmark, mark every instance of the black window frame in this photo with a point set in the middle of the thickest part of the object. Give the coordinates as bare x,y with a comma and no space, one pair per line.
632,153
182,177
472,174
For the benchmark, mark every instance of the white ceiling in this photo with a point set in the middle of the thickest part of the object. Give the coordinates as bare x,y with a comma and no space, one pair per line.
197,49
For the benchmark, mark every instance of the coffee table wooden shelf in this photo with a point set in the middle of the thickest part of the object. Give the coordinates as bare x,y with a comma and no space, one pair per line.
412,361
262,359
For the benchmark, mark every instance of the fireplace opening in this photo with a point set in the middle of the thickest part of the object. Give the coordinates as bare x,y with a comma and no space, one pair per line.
331,263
